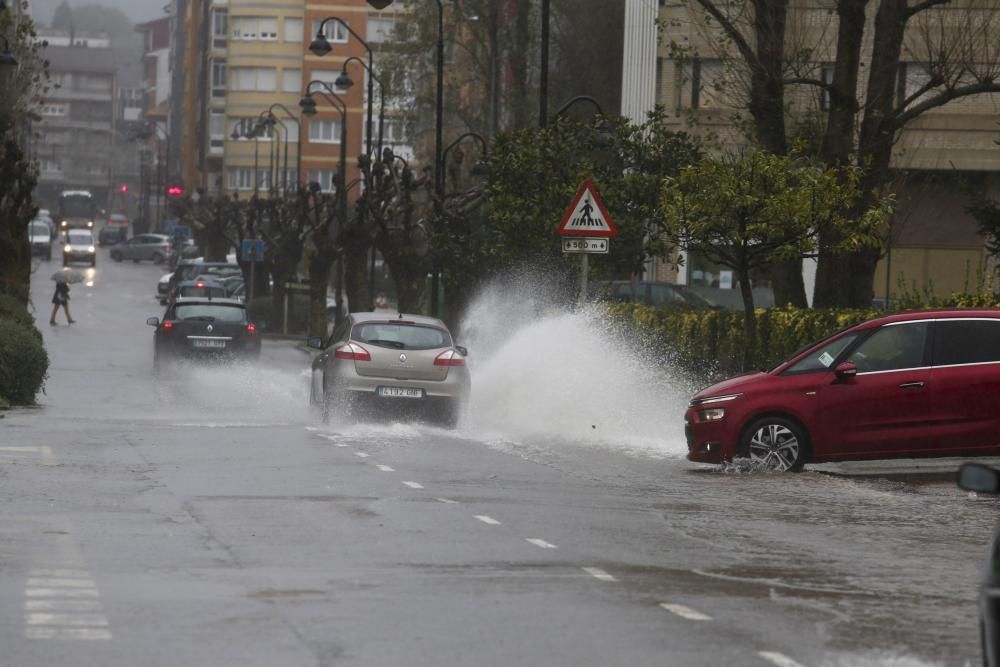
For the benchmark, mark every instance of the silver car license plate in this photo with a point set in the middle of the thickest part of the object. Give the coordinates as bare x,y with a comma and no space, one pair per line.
209,343
400,392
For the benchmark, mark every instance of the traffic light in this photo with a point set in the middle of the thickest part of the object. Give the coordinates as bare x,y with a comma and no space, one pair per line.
124,189
175,191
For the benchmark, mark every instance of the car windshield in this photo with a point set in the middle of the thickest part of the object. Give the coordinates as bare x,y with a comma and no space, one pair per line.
39,229
194,290
80,239
401,336
210,312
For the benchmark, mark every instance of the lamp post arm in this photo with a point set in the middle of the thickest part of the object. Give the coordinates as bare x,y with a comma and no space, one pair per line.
341,105
322,25
580,98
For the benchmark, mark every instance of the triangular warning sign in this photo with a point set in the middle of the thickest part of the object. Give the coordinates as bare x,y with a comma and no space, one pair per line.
586,216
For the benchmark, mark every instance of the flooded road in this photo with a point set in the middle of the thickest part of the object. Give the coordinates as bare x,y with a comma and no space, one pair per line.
207,517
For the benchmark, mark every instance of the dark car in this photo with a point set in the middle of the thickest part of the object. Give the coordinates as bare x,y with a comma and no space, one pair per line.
651,293
984,479
914,384
111,233
204,329
191,269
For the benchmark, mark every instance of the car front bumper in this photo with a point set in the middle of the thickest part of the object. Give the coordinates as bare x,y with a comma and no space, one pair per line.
709,442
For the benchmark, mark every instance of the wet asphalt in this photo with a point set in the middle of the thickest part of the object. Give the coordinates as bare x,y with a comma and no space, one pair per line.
207,518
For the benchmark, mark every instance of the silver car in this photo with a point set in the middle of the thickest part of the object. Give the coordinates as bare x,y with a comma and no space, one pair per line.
155,247
374,362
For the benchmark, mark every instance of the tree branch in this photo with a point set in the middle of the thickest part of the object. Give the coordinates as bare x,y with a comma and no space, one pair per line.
942,98
805,81
733,32
922,6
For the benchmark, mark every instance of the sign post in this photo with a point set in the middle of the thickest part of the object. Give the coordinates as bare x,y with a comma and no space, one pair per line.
253,252
586,228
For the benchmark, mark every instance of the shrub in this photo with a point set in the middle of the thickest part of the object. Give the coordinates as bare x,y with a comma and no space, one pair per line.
23,362
712,343
12,309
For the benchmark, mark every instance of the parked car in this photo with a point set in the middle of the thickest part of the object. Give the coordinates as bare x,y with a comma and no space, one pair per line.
190,269
79,247
914,384
986,480
208,289
650,293
204,329
111,233
44,215
155,247
40,238
375,362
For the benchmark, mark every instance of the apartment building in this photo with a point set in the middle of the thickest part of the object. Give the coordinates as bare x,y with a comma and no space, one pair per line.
242,60
933,244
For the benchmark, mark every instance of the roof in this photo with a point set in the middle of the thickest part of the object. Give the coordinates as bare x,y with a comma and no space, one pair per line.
82,59
932,313
205,301
205,282
405,317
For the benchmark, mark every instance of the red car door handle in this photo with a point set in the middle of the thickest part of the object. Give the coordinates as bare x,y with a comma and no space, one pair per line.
911,385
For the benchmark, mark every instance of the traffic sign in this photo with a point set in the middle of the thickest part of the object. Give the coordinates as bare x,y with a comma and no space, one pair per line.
579,244
181,234
253,250
586,215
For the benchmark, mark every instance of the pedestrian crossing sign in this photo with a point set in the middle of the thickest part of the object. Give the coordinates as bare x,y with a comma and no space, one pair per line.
586,216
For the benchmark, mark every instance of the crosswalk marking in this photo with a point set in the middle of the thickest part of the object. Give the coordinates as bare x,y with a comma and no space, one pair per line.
63,604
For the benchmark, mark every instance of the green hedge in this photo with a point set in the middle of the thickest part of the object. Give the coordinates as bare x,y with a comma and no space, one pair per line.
23,362
12,309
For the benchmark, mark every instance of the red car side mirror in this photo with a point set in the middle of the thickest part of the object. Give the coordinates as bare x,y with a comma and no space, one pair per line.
845,369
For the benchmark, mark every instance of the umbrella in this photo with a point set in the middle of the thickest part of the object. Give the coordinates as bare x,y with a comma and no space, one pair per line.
67,276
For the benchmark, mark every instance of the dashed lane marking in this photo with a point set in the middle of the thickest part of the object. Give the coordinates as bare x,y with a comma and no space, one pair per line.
487,519
44,451
779,659
598,573
66,633
414,485
61,583
63,603
385,468
685,612
541,544
335,440
311,429
63,592
447,501
361,455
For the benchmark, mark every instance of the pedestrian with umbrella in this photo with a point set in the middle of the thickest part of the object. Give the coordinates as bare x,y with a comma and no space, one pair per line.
61,296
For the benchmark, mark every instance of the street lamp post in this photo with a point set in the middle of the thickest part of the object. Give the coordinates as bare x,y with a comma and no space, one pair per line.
298,126
482,143
320,46
308,105
345,81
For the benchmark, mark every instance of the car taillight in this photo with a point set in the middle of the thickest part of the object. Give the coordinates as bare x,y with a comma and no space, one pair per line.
168,326
352,351
449,358
252,329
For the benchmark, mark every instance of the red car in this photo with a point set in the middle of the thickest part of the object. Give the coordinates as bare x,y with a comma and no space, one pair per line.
914,384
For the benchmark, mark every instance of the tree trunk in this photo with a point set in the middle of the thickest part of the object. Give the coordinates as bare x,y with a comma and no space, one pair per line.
320,268
356,277
749,320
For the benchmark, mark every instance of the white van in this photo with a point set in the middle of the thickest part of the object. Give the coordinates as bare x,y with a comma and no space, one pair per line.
40,238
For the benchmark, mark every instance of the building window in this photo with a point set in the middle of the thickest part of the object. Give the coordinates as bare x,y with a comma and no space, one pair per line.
334,31
325,178
324,131
291,80
380,28
913,77
392,131
293,30
240,178
327,76
826,76
216,131
50,166
264,28
263,180
705,80
218,78
220,27
55,109
262,79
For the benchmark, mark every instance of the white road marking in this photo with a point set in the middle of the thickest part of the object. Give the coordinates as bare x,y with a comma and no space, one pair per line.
63,583
779,659
414,485
447,501
44,450
61,592
361,454
312,429
69,574
487,519
598,573
89,620
685,612
385,468
542,544
62,605
66,633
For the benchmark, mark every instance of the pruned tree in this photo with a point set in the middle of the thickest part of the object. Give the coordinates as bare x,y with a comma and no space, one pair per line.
869,94
751,209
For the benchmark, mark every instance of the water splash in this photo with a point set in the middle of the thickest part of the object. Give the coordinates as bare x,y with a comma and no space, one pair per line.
543,369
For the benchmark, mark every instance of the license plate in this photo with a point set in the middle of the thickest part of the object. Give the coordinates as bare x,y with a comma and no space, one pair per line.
400,392
209,343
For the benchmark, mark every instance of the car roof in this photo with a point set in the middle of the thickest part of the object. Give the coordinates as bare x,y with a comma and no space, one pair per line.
210,282
200,300
201,262
384,316
79,232
930,314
